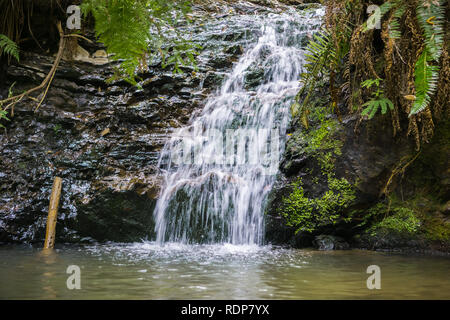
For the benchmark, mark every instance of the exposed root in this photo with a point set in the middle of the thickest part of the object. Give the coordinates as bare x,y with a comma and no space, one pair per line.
12,101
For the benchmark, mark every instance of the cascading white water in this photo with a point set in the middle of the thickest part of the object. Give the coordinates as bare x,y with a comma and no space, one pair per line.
216,187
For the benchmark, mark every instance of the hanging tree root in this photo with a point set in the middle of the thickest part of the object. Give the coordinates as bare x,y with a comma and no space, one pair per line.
400,168
45,84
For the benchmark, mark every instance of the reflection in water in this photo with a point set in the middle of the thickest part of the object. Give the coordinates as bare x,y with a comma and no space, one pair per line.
175,271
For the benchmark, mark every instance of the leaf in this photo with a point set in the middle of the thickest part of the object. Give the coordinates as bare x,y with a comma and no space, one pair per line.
432,20
9,47
426,80
390,104
410,97
134,30
383,105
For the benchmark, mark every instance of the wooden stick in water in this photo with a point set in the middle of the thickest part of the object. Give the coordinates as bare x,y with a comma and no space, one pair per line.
52,214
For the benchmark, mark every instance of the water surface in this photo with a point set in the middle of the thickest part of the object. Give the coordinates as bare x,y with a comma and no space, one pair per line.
174,271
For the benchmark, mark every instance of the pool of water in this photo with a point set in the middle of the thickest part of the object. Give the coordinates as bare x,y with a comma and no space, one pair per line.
174,271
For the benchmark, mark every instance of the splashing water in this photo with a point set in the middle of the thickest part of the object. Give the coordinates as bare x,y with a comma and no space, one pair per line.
219,170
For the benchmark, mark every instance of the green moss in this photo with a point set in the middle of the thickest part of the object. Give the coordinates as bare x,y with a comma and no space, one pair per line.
402,221
415,218
321,143
307,214
436,229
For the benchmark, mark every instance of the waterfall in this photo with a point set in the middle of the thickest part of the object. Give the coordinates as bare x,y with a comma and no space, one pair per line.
219,170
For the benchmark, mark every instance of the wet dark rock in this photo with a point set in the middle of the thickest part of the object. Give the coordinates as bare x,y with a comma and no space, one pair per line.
329,242
254,77
213,78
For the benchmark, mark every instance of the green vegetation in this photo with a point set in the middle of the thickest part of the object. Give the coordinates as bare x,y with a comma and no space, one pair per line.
378,99
135,31
8,47
410,76
57,128
402,221
426,78
411,219
307,214
402,68
3,112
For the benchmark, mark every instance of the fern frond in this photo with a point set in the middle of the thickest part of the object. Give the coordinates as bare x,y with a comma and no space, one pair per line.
132,30
373,105
9,47
426,80
320,50
431,17
394,25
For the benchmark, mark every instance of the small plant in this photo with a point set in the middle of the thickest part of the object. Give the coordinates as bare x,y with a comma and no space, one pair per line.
308,214
3,114
403,221
378,101
9,47
57,128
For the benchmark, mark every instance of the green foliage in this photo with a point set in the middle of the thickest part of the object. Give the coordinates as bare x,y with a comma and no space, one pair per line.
3,112
431,17
308,214
402,221
378,101
137,30
436,229
298,209
322,145
321,53
394,26
426,80
57,128
320,138
9,47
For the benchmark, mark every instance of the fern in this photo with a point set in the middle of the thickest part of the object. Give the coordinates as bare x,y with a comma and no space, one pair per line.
431,17
9,47
3,114
426,80
321,51
379,101
394,25
134,30
373,105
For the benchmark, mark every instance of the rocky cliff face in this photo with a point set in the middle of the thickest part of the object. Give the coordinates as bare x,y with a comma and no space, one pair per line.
407,210
103,139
